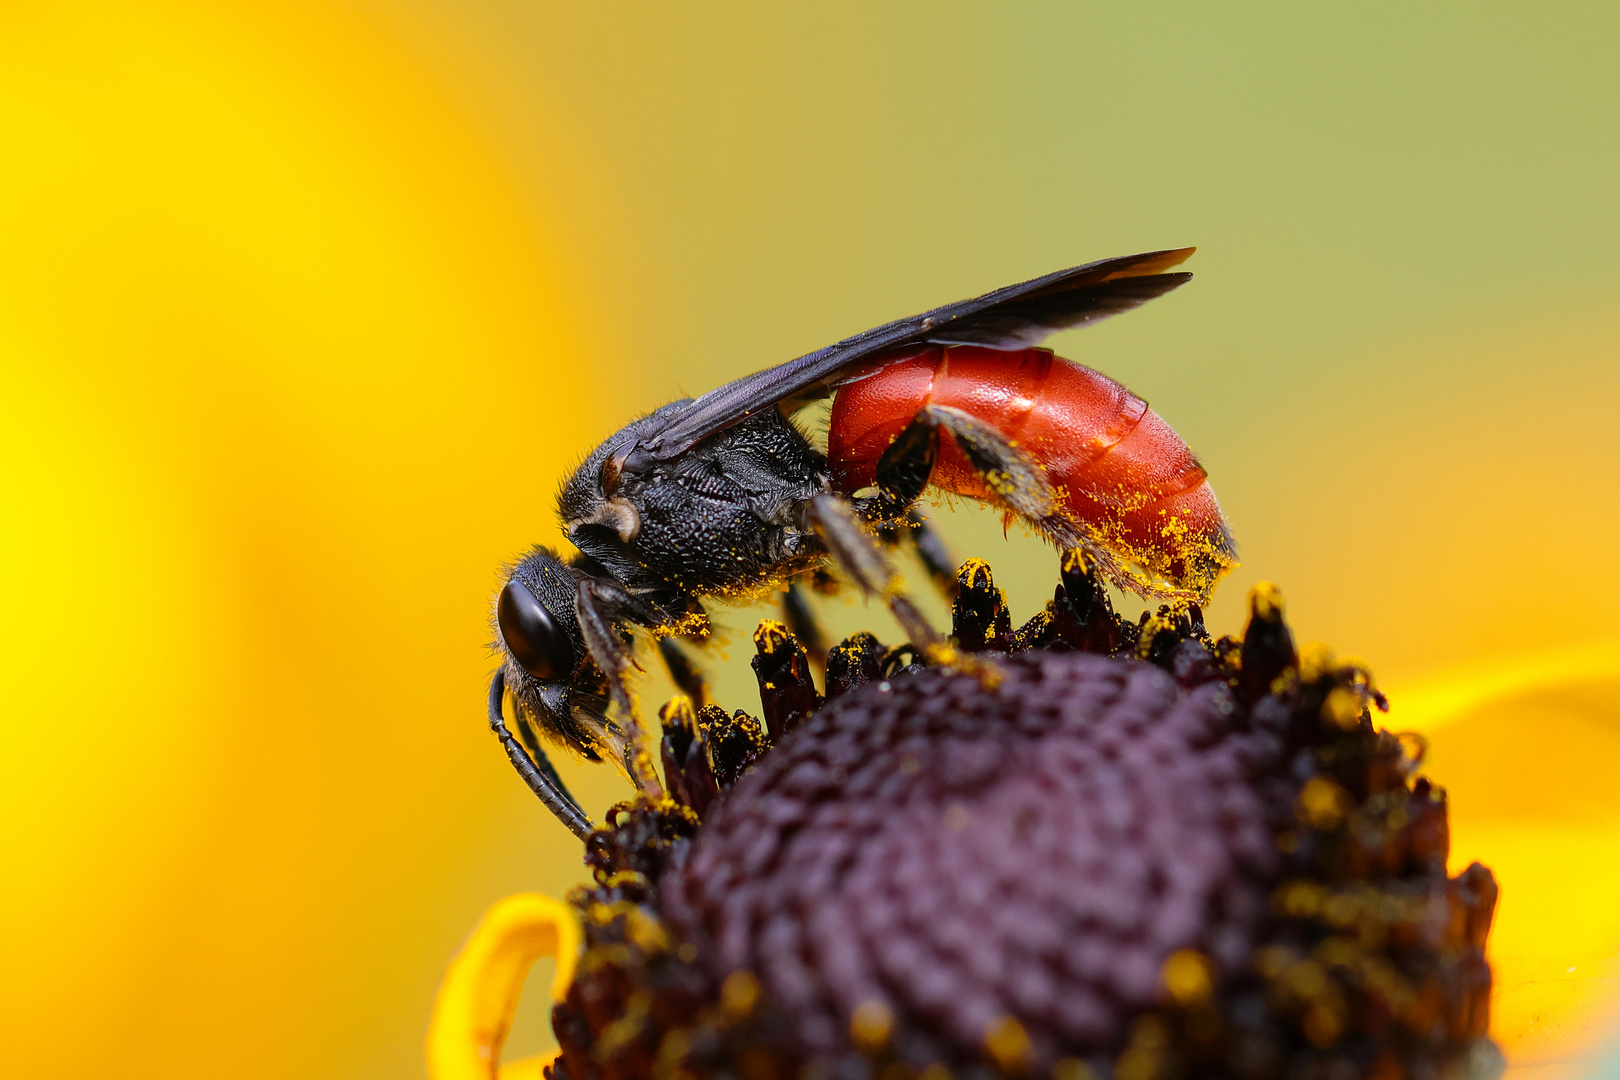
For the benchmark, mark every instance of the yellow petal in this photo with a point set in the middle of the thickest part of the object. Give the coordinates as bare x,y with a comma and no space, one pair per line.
479,994
1529,752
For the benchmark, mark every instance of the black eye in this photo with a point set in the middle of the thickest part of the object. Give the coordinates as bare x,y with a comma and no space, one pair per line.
531,635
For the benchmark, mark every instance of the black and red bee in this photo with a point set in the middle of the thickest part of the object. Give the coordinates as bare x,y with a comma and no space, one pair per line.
723,496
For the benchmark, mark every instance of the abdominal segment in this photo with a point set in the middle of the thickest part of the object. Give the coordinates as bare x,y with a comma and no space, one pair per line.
1125,481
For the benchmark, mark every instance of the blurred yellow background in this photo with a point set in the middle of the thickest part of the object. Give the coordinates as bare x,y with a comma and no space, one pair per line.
305,309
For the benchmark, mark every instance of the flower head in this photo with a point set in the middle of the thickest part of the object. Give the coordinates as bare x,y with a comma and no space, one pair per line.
1135,852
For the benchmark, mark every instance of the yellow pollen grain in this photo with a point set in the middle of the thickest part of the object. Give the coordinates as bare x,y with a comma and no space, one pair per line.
691,624
645,931
1075,560
1143,1058
1070,1068
976,573
1151,629
672,1050
1008,1044
1323,803
870,1025
739,994
678,712
770,636
1300,899
1266,601
1189,977
1322,1026
1342,707
1285,682
626,1029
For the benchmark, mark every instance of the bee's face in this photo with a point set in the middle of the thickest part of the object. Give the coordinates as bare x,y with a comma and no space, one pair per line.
531,636
538,636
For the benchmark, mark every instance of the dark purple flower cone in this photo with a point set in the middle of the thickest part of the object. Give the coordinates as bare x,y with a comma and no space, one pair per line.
956,857
1206,862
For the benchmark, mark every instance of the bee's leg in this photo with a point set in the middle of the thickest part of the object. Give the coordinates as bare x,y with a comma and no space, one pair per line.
601,606
902,472
537,772
863,562
1008,472
902,476
802,622
932,553
910,526
1012,475
684,673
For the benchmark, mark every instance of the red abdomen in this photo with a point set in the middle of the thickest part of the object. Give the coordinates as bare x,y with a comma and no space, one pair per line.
1123,477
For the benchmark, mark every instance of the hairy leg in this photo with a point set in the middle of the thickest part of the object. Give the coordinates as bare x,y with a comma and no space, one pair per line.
932,553
1010,473
863,562
601,607
802,622
683,672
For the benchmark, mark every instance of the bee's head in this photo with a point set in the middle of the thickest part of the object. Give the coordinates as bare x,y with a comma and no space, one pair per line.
546,664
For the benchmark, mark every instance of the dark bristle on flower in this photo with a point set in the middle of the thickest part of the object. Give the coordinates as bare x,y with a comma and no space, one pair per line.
735,742
1131,852
852,663
783,669
979,613
685,751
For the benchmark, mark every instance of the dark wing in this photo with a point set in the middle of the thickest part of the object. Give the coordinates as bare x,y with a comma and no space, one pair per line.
1014,317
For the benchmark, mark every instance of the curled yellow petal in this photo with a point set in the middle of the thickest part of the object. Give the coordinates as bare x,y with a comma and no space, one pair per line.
479,995
1529,751
1440,702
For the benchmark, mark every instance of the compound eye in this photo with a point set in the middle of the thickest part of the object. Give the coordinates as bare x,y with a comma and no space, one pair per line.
532,636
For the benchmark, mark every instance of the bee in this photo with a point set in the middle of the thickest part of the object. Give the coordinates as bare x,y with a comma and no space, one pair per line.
722,496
